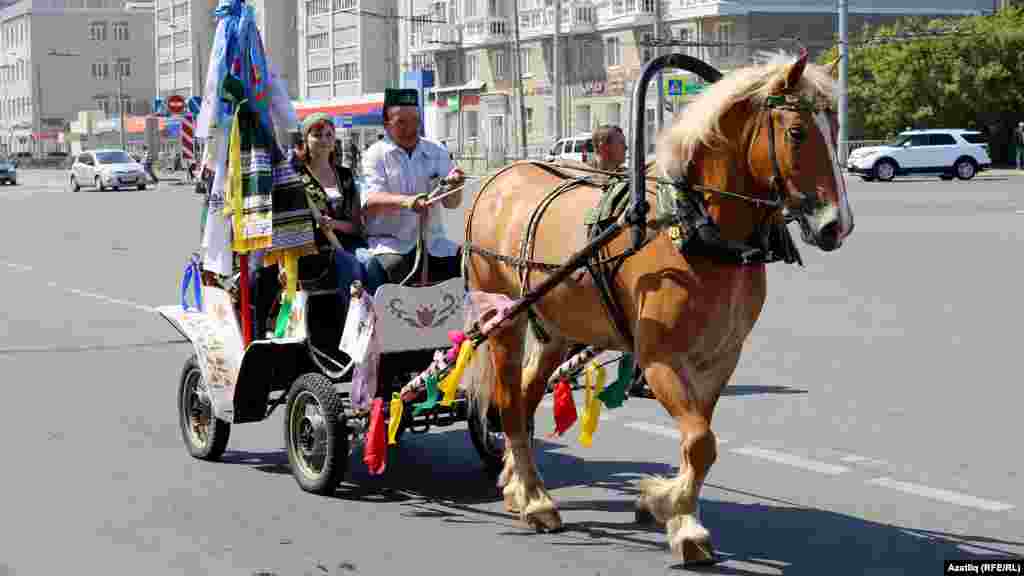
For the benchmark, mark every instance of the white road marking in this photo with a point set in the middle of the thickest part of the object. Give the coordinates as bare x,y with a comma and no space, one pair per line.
864,460
655,429
791,460
110,300
941,495
18,267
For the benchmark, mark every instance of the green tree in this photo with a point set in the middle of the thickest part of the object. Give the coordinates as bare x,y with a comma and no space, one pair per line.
969,73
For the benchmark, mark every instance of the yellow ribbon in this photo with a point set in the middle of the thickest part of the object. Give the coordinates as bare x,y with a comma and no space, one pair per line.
395,417
233,186
592,405
450,384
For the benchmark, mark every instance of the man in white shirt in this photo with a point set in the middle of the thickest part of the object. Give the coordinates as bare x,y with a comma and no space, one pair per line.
399,172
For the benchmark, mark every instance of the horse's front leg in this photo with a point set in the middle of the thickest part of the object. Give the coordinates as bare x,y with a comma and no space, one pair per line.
689,394
523,489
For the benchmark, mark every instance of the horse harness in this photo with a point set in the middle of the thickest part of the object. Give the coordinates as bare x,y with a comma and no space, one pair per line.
681,208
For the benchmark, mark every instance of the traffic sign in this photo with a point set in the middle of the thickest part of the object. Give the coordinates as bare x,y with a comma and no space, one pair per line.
176,104
675,87
194,105
346,121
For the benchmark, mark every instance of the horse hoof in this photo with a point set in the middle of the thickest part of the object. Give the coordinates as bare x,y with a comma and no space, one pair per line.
691,542
545,521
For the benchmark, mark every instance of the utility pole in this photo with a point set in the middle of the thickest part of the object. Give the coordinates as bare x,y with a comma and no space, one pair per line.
657,52
844,58
120,104
556,65
519,81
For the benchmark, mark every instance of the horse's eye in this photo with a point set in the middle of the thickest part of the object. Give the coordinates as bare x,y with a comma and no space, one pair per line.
796,133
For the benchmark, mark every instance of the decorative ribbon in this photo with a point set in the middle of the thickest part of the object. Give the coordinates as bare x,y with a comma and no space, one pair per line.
592,410
291,272
192,276
375,452
615,394
395,417
564,409
451,382
431,401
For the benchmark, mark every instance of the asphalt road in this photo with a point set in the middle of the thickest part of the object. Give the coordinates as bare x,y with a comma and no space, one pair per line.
873,426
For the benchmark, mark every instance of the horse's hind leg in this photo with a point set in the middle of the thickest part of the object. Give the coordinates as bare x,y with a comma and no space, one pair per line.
689,394
523,489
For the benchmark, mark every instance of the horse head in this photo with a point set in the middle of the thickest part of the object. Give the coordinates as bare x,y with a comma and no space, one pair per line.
776,128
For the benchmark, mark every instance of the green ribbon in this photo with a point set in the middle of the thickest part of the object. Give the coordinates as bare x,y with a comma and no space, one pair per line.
282,318
614,395
432,396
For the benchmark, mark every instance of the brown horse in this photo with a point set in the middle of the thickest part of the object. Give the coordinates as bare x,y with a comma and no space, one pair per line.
688,316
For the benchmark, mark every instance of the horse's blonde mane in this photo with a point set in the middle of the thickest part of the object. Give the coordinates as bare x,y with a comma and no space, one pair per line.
700,122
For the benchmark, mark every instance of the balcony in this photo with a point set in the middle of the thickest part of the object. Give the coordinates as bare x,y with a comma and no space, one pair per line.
631,12
485,30
434,37
579,16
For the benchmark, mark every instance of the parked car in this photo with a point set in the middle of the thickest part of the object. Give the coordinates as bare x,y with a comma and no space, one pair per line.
8,171
104,169
573,148
947,153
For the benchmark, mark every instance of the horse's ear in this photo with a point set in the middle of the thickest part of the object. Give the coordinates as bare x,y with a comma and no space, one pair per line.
796,70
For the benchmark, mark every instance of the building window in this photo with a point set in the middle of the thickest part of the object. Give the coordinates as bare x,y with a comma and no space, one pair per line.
500,64
121,31
586,50
685,35
98,31
165,69
318,7
165,42
725,38
615,114
163,15
181,38
319,75
124,67
524,61
317,41
102,104
529,120
613,51
469,9
183,66
422,62
180,10
346,72
100,70
472,66
648,50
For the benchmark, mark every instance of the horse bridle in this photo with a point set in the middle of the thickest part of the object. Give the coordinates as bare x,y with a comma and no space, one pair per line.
793,103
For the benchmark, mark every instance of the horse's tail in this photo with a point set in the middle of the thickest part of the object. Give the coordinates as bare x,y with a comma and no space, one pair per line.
479,379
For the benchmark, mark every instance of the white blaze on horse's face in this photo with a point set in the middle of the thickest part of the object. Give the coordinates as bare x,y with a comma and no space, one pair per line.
828,213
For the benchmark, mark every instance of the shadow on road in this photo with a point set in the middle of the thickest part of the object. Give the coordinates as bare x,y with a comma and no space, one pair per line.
438,476
753,389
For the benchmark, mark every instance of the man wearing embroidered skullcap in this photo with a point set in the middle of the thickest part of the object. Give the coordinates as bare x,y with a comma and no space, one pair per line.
400,170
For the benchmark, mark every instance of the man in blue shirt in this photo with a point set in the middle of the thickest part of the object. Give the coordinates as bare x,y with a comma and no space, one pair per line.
399,171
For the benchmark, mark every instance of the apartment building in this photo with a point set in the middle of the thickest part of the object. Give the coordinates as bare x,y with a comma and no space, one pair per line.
469,44
347,48
60,57
185,32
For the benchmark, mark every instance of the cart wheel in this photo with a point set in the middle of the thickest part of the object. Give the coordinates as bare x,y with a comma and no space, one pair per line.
315,434
204,434
487,437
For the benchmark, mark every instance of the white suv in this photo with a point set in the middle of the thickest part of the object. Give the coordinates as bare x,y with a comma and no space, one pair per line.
948,153
579,148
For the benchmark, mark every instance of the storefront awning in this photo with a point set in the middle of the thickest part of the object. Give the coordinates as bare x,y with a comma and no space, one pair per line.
471,85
